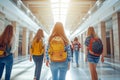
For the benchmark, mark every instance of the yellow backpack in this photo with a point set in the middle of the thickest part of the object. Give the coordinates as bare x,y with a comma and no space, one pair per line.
37,48
2,49
57,50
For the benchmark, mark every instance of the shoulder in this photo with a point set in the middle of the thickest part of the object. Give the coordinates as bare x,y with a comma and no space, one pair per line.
87,40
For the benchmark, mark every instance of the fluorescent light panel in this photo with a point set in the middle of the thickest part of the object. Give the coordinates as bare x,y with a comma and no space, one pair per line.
59,9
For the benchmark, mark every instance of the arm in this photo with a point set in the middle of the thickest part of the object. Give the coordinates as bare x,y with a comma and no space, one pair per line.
43,47
102,57
44,54
86,53
79,45
87,40
47,56
68,49
69,57
30,53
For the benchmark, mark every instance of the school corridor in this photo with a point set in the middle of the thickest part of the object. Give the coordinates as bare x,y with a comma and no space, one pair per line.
27,16
24,70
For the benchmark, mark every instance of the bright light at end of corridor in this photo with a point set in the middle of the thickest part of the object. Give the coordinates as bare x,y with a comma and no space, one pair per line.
59,1
59,9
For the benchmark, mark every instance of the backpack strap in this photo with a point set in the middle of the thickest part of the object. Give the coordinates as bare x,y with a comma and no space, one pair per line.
79,45
90,44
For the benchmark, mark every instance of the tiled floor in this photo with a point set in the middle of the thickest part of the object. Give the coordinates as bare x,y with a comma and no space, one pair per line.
24,71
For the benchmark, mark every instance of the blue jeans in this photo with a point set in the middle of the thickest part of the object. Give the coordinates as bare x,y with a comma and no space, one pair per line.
38,60
6,62
76,56
59,70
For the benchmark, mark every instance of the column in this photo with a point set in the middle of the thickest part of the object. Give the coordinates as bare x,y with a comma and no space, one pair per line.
25,41
81,49
111,43
2,22
84,47
30,40
116,33
102,35
16,30
82,42
31,36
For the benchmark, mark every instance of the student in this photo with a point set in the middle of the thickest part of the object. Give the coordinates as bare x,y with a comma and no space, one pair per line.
71,46
92,57
37,53
76,48
58,53
7,48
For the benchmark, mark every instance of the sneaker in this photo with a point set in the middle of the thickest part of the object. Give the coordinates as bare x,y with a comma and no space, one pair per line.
77,65
34,78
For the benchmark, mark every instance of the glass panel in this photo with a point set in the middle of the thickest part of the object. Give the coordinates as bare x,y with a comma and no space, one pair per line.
59,9
55,5
65,1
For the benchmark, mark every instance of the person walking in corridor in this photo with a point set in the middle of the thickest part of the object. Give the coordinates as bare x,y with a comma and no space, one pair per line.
37,53
76,48
71,46
94,49
7,48
58,53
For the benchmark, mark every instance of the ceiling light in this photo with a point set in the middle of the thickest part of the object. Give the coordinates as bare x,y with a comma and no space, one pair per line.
89,12
83,18
59,10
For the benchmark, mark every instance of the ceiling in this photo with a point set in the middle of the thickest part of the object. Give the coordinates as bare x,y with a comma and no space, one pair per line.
76,11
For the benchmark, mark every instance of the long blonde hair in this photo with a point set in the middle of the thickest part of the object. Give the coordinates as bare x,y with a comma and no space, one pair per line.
58,30
39,35
91,32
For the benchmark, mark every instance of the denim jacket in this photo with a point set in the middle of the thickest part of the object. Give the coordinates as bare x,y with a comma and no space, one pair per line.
67,49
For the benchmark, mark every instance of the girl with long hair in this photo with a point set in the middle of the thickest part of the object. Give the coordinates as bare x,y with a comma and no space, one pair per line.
7,39
37,52
54,54
90,57
76,47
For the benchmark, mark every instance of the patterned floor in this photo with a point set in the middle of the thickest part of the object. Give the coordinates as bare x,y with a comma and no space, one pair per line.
24,70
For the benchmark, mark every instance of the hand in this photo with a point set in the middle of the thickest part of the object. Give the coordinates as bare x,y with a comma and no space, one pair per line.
30,58
47,63
102,59
85,59
68,65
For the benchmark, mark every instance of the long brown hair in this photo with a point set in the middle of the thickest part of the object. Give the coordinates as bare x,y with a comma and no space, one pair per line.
91,32
58,30
39,35
7,35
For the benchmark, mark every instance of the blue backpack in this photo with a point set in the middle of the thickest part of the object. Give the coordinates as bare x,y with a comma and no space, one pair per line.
96,46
